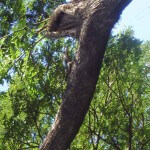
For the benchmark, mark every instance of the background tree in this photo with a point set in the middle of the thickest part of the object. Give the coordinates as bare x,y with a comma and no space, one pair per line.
35,74
36,78
119,114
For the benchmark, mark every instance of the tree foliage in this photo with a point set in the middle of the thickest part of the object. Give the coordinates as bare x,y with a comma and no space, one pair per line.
119,115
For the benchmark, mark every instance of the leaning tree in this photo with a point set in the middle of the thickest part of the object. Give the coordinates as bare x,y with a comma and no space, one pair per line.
90,22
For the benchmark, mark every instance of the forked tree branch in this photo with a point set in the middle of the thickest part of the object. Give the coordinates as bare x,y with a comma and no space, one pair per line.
100,17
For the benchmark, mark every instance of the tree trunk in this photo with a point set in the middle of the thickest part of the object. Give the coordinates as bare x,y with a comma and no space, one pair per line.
100,18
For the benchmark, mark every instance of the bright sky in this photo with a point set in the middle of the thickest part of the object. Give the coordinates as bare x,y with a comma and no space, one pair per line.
137,15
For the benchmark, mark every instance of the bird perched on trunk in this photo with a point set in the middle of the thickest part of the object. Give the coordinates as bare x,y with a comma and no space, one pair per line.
67,63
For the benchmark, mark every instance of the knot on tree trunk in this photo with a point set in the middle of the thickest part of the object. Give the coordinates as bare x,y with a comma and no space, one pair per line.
66,20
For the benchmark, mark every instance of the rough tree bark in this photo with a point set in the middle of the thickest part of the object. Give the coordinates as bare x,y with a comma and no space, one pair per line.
100,18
